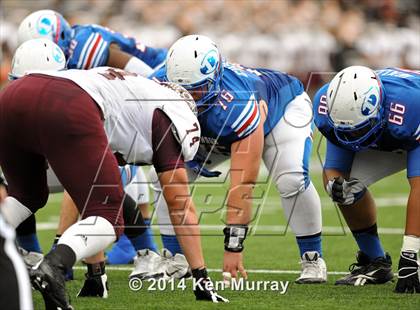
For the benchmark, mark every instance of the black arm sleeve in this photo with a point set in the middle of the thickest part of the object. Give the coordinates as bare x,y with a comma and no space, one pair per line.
167,152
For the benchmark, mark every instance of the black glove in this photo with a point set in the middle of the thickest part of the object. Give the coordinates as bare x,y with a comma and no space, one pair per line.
197,165
203,287
345,192
408,274
96,284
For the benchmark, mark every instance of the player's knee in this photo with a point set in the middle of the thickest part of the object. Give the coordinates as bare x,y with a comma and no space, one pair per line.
290,184
35,202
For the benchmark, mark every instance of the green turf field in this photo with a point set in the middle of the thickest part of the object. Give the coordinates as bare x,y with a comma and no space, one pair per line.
271,254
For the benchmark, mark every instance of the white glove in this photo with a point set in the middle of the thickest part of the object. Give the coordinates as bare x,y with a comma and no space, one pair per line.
345,192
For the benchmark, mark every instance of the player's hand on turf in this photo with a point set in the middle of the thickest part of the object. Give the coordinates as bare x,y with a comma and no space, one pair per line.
408,274
203,287
232,263
200,170
197,165
345,192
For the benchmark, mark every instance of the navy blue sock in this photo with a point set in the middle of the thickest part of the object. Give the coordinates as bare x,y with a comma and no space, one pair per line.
310,243
368,241
145,240
29,243
171,243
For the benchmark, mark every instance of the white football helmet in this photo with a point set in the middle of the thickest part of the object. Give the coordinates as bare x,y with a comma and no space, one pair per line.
36,54
354,102
46,24
195,62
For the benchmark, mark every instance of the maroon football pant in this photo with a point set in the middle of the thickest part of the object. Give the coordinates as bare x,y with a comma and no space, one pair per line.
45,118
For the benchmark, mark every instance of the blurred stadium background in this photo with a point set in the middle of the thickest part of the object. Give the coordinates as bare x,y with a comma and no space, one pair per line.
296,36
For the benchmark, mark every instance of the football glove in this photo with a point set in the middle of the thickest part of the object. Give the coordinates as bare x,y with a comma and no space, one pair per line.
94,286
197,166
408,273
345,192
203,287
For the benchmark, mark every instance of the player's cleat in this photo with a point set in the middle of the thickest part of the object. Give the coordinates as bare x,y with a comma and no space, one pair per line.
94,286
121,253
314,269
176,266
203,287
366,271
48,278
30,258
148,264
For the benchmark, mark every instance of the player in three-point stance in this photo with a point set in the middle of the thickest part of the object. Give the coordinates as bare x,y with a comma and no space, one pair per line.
85,47
250,115
82,124
371,120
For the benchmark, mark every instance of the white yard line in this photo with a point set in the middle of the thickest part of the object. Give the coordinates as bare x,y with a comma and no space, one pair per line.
250,271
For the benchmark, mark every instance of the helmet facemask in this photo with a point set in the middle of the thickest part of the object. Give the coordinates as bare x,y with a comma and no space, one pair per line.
363,135
355,111
63,34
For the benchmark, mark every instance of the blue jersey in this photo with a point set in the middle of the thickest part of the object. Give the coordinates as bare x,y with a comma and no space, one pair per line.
128,172
89,48
234,112
401,90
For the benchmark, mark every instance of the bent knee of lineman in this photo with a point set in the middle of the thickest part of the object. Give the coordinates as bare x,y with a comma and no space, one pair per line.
111,210
290,184
33,203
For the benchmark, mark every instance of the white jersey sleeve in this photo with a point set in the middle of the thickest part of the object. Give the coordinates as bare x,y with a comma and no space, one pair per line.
128,102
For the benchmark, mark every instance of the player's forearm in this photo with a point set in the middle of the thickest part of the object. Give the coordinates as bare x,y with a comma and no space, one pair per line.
188,234
245,164
412,226
239,205
119,59
183,215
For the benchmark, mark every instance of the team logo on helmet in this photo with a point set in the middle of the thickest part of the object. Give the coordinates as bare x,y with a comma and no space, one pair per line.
210,62
45,26
58,54
370,103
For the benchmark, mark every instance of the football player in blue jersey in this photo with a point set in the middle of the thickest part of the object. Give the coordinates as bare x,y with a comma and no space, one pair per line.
371,120
90,46
250,115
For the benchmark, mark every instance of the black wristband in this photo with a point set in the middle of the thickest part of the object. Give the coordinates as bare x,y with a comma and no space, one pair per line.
97,269
235,235
2,181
